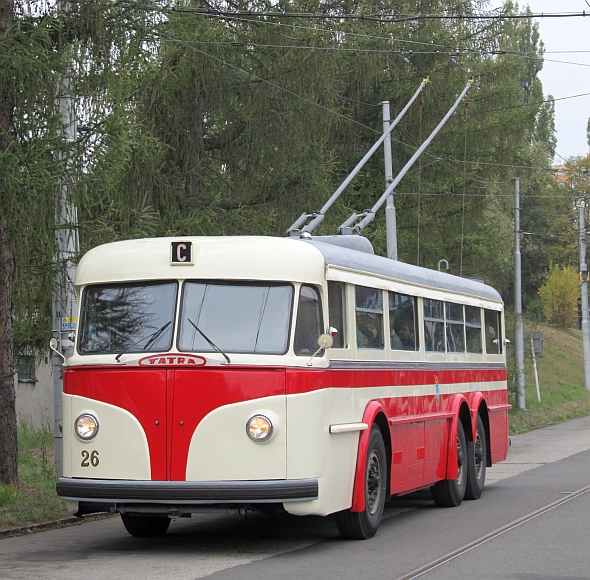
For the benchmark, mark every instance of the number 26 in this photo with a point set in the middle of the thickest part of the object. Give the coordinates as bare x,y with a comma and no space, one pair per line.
90,458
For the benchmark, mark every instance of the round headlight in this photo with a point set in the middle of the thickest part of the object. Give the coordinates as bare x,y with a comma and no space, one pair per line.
259,428
86,426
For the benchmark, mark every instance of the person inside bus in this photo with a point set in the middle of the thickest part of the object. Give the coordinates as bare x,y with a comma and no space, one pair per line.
305,341
395,341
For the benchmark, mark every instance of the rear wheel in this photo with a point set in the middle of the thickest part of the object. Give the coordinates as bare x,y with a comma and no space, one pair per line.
476,462
363,525
145,526
450,492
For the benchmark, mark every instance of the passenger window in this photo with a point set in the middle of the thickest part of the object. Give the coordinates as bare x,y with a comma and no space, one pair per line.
402,322
337,311
369,317
492,327
309,321
434,325
473,329
455,327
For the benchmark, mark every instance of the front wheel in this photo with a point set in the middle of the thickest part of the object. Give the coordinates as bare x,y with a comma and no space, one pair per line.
145,526
363,525
476,462
450,492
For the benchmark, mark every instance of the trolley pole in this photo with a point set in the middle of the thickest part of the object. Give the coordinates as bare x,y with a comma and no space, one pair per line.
390,217
584,282
518,330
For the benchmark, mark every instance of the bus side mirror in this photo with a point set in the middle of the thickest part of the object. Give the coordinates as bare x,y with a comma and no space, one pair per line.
53,344
324,341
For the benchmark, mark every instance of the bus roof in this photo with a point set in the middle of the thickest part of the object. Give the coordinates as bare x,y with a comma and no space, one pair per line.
363,262
259,258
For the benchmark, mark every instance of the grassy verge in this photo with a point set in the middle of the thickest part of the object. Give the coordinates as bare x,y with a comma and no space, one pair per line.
561,381
34,499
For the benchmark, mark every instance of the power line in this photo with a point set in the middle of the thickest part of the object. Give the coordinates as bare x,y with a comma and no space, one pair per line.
365,17
452,53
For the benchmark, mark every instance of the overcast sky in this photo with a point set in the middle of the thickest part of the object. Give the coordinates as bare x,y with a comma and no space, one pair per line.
566,78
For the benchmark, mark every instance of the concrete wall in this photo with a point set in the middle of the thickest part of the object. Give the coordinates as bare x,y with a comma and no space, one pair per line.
34,400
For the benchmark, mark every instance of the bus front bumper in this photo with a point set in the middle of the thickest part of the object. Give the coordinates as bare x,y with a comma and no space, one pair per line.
115,492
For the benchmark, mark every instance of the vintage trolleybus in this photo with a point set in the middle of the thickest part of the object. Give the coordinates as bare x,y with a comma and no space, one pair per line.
306,375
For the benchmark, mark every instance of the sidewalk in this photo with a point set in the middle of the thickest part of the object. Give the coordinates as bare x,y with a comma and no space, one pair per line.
541,446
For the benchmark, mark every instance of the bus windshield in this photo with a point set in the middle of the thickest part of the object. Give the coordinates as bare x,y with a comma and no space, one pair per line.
239,318
127,318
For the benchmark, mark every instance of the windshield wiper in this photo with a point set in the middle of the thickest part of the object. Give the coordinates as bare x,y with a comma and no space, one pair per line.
151,339
209,340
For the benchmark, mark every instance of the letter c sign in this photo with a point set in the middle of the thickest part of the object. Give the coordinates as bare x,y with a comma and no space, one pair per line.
181,253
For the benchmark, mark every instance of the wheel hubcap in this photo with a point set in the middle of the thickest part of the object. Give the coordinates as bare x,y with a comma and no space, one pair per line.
460,461
374,474
478,456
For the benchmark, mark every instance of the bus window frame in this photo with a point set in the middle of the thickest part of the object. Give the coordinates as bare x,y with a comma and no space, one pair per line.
129,284
249,283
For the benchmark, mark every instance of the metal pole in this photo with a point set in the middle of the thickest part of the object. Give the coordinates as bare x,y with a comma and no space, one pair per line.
390,218
518,330
66,242
584,281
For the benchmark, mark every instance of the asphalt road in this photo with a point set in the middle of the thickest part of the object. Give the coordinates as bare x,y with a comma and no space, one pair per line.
544,466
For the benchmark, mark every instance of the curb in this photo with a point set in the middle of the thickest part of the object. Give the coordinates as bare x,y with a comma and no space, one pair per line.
63,522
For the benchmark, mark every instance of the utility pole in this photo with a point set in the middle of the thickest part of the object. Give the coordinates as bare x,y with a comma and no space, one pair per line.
518,330
66,243
584,282
390,218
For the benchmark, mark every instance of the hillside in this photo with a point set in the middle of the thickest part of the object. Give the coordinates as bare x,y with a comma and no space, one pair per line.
561,380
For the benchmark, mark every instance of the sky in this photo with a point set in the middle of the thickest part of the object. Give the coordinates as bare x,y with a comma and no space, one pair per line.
571,75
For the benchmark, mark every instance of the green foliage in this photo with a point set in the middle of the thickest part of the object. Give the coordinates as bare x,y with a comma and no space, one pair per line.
199,125
34,499
560,294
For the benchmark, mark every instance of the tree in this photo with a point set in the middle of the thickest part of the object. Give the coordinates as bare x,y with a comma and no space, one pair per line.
560,294
8,432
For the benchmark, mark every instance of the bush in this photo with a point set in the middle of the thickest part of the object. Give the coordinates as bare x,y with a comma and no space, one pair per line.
559,294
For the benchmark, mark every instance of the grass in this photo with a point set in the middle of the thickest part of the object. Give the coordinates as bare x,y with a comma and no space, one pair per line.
34,500
561,381
561,385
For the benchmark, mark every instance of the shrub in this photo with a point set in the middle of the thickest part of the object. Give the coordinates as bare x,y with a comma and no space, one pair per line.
559,294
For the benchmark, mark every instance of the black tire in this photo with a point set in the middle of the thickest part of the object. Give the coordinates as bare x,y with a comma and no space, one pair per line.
363,525
145,526
476,462
450,492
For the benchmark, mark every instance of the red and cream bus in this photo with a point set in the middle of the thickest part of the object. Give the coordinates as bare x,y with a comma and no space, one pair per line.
300,374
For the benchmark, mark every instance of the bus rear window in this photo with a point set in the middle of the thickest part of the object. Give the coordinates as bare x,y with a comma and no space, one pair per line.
239,318
127,318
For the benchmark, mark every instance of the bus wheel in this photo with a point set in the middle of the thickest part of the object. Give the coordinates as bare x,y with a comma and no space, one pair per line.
363,525
476,462
450,492
145,526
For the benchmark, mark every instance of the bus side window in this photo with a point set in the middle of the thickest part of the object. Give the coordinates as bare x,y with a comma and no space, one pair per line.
309,321
337,312
434,325
455,327
473,329
369,317
492,326
402,322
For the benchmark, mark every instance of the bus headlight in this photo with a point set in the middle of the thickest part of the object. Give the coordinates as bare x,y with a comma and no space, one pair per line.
259,428
86,426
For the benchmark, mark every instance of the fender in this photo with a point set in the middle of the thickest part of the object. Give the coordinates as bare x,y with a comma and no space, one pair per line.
475,405
358,494
452,462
